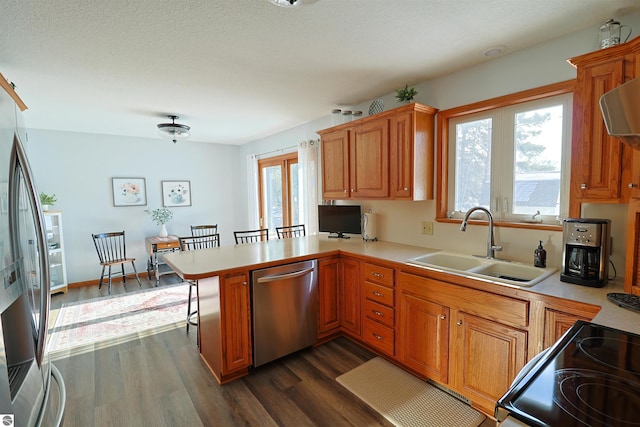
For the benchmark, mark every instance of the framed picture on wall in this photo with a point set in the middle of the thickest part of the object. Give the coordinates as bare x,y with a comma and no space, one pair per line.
129,192
176,193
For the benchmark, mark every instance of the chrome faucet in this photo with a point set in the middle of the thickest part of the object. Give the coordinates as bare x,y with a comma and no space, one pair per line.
491,246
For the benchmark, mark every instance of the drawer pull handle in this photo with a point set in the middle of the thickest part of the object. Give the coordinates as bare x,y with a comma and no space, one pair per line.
377,313
376,336
378,294
373,273
442,316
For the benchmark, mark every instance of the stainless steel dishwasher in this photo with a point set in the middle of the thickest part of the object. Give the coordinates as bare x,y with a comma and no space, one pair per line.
284,301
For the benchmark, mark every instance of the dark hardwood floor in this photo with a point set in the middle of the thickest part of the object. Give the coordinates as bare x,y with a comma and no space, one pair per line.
159,380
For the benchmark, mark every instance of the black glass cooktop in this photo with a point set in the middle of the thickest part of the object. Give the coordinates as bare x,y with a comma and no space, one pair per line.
591,377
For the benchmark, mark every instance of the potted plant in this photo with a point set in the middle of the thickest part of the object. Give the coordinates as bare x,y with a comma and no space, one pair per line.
47,200
406,94
161,217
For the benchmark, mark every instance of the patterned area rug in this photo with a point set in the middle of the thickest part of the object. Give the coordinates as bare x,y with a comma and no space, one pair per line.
87,325
405,400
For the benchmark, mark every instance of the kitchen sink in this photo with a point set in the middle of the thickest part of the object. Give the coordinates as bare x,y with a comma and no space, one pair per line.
493,270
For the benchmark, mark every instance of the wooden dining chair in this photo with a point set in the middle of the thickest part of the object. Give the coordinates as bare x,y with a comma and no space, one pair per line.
193,243
112,251
204,230
289,231
251,236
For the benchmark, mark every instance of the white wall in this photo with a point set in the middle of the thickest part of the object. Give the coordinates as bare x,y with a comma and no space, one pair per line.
78,168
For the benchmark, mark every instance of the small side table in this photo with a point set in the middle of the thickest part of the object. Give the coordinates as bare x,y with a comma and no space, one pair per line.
157,245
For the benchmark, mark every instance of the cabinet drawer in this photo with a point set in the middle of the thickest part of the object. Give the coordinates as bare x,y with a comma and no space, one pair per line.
379,336
377,274
168,245
379,313
378,293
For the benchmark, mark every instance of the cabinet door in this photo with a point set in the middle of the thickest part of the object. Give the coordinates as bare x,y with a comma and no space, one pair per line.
350,312
369,160
486,356
335,165
597,157
401,156
328,281
556,323
423,336
632,262
237,321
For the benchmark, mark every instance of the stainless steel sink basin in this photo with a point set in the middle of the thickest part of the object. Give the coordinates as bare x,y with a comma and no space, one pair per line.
493,270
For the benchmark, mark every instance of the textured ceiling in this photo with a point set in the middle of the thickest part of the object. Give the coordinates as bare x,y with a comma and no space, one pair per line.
239,70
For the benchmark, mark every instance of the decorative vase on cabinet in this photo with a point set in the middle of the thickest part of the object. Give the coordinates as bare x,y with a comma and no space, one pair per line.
163,231
55,244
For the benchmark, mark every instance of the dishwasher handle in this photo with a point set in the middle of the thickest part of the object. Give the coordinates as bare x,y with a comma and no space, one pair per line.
267,279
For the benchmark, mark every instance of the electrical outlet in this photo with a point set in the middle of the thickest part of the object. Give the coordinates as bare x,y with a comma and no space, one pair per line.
427,227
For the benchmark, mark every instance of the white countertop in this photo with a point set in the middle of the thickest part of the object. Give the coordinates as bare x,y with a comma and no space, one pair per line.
216,261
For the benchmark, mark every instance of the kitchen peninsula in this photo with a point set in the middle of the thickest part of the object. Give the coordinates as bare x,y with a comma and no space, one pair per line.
513,323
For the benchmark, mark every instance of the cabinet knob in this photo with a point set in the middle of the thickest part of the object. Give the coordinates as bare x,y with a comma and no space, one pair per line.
583,186
376,336
632,185
244,283
346,191
442,316
378,294
380,275
406,189
376,312
353,190
459,323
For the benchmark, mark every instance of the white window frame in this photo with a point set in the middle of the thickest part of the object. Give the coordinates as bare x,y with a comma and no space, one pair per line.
502,111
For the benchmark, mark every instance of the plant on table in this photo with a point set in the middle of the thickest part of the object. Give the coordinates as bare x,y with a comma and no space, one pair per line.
47,199
160,216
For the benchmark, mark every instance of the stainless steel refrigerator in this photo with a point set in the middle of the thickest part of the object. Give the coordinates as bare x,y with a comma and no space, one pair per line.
25,369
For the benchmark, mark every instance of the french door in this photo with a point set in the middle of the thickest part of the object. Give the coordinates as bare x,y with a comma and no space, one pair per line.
279,197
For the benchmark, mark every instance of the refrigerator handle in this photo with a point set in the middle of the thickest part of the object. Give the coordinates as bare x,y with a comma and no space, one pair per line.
38,217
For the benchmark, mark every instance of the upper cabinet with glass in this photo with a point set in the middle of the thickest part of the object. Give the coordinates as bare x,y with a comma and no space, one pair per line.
385,156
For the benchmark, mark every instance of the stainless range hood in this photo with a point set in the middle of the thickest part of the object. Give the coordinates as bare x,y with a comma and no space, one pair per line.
621,112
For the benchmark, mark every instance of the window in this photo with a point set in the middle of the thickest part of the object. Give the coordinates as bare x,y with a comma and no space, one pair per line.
279,201
509,155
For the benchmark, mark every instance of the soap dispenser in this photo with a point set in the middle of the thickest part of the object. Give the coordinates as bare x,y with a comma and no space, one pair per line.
540,256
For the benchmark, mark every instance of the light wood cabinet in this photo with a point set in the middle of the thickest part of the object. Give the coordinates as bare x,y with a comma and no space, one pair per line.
471,340
224,323
632,264
485,358
350,296
556,323
423,334
602,167
378,304
236,321
328,296
385,156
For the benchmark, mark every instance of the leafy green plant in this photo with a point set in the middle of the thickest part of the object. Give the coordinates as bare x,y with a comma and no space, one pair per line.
47,199
406,94
160,216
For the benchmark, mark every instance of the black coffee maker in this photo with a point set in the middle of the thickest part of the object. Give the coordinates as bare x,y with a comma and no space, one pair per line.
585,256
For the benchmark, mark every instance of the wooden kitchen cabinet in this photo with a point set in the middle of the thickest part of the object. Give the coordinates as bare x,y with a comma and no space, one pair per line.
335,164
603,169
378,305
412,153
328,297
632,263
471,340
385,156
349,300
485,358
423,333
556,323
224,323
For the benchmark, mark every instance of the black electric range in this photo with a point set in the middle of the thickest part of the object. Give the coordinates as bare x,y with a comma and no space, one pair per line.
590,377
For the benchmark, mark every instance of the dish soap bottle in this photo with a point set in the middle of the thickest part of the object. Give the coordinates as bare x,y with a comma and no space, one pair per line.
540,256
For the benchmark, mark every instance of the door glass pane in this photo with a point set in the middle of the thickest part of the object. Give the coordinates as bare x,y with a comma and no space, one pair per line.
295,196
272,197
537,161
473,164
